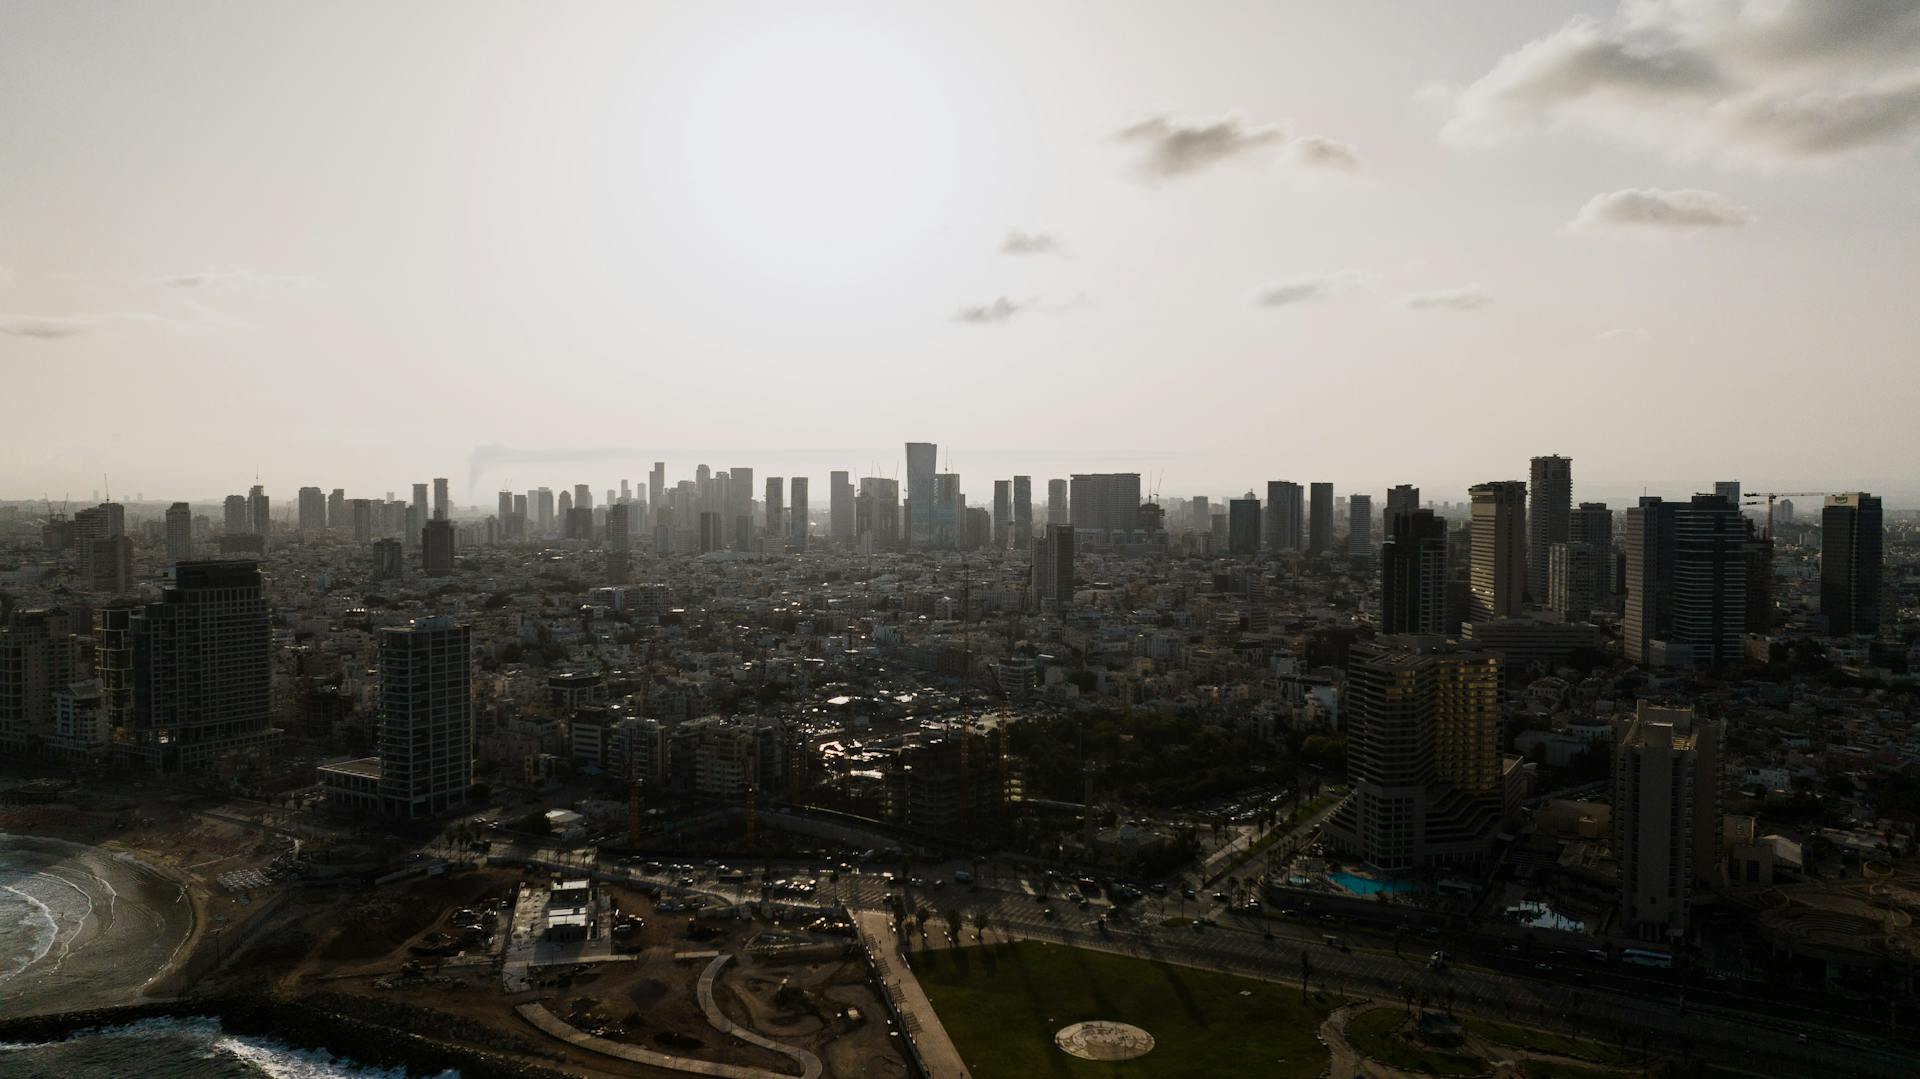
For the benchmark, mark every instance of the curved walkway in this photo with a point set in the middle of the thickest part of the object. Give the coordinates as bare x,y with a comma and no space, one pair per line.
549,1023
809,1064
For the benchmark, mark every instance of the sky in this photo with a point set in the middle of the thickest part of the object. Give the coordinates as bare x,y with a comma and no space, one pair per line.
361,244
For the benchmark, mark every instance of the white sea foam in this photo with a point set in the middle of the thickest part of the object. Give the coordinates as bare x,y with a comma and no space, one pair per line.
36,928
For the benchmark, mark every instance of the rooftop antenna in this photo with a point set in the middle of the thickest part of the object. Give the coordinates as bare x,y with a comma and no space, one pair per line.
107,485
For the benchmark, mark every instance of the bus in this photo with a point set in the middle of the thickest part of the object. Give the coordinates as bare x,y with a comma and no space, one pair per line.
1642,957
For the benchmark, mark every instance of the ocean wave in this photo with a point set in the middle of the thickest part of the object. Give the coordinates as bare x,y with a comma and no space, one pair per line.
208,1039
36,924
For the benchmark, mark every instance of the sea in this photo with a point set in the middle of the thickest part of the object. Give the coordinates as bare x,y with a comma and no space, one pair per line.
82,927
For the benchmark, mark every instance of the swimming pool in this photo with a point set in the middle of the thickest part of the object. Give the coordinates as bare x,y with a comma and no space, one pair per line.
1367,885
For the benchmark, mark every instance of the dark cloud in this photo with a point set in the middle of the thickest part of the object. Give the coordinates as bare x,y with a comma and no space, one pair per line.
43,327
1464,298
996,313
1175,149
1029,243
1309,289
1319,152
1651,208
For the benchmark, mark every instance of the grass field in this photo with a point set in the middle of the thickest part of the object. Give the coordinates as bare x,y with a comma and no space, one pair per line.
1373,1034
1003,1004
1540,1041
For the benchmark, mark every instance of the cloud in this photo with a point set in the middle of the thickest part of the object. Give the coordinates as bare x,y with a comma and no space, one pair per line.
185,317
1464,298
1309,289
1651,208
1029,243
44,327
1175,149
1317,151
240,280
1000,311
1763,82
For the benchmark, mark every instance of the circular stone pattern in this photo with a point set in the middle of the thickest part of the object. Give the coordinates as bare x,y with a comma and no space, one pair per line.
1100,1039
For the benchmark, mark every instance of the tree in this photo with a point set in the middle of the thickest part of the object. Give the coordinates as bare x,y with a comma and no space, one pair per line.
921,915
1306,971
953,923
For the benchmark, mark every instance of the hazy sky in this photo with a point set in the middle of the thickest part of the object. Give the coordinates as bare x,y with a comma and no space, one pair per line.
347,244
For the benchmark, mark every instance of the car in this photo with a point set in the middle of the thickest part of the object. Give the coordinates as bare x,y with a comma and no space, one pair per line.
1158,889
1187,893
1219,897
1072,897
961,876
1047,913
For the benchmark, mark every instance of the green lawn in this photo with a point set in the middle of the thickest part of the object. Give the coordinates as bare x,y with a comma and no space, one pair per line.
1541,1069
1374,1034
1003,1004
1541,1041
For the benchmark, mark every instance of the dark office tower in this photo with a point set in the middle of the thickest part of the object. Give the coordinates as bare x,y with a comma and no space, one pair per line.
389,560
1591,523
563,511
582,497
436,548
1022,512
1360,526
798,511
1851,552
1649,578
1709,583
1105,501
657,486
775,508
949,510
1243,527
1550,504
578,525
922,463
1053,568
1320,522
1728,489
840,507
106,565
740,506
259,511
620,527
337,519
1413,575
1002,511
202,667
521,505
1286,519
426,718
313,510
360,510
36,660
1783,513
626,492
1058,510
235,515
1499,573
1570,580
421,505
712,533
179,532
442,505
1402,499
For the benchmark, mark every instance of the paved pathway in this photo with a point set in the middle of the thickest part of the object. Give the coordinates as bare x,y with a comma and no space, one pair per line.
809,1064
897,980
552,1024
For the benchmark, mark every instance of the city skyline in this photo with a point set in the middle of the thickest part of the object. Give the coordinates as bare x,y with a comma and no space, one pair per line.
378,254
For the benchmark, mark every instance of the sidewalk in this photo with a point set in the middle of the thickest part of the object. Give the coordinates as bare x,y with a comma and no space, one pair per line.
937,1051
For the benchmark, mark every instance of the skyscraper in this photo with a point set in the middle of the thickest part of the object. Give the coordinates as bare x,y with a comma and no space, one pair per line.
1499,572
1053,568
544,510
1591,523
236,519
202,667
1022,512
619,527
259,511
420,504
1423,723
1709,583
922,462
179,532
657,485
426,717
1852,551
1550,503
1320,522
797,512
1666,817
36,659
776,513
1413,576
436,548
1360,526
361,510
1243,527
1002,511
840,507
1404,498
442,505
1729,490
1649,576
882,515
1285,517
740,506
1058,510
582,495
1106,501
313,510
337,519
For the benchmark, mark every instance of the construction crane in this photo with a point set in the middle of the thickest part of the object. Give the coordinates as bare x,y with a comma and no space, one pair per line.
1755,498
